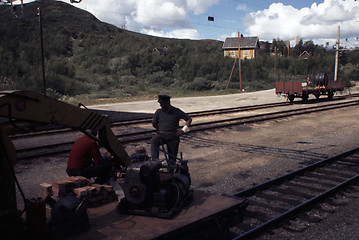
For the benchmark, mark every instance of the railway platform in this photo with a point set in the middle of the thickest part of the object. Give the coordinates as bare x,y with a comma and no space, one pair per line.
194,104
141,109
107,223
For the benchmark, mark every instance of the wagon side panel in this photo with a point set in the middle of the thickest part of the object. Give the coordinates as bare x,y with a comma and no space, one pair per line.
289,88
335,86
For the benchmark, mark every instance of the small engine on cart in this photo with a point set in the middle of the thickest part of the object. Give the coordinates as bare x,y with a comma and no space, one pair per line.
155,189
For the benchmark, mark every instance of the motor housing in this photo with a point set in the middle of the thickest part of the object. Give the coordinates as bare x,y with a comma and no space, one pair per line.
154,189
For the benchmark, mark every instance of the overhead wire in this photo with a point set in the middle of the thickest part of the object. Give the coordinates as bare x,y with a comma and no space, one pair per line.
180,22
155,18
171,20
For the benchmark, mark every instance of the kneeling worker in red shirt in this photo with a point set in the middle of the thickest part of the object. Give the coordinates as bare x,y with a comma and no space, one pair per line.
85,160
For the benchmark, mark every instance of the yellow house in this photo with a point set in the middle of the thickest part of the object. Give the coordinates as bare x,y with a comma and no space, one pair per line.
249,47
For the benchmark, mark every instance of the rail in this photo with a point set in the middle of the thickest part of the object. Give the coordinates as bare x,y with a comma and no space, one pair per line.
327,176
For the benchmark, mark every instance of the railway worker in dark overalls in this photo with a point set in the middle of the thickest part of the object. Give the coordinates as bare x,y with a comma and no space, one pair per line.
166,122
85,160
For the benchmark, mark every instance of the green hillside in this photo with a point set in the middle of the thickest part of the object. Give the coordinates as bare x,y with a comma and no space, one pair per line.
88,59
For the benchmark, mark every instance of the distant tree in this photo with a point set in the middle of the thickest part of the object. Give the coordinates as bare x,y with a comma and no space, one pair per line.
353,57
309,46
298,49
274,45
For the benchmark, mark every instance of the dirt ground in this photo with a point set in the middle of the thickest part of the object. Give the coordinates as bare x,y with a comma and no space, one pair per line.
229,159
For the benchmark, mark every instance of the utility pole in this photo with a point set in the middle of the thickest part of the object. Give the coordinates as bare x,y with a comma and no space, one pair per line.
239,63
337,56
42,52
275,58
230,77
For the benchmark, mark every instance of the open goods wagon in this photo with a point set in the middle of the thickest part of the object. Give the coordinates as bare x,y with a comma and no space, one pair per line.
320,85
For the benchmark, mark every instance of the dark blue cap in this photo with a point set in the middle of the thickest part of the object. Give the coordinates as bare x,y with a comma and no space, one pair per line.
163,98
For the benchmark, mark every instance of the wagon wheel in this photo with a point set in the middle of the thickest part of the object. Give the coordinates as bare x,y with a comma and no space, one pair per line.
305,97
291,98
330,95
317,95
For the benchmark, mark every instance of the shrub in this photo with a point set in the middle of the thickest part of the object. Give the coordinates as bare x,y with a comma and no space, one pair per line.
199,84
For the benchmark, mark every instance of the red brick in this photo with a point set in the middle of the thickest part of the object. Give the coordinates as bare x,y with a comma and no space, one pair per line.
45,190
81,192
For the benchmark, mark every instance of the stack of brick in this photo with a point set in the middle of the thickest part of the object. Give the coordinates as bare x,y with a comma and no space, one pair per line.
64,187
97,194
80,181
82,187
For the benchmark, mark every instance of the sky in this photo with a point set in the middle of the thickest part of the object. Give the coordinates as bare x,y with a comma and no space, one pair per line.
267,19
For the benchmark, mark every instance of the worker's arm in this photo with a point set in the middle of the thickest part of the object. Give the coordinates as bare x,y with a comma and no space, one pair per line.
188,122
155,120
96,155
185,127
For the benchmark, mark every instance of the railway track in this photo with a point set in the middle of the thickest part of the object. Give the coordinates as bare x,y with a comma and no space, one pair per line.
281,199
65,146
145,135
117,121
124,122
258,220
273,203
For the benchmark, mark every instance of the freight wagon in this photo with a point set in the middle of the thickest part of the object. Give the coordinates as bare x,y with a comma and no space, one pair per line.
320,85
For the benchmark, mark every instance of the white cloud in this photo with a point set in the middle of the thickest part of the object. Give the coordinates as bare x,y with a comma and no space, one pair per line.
318,22
188,33
158,14
149,16
200,6
179,18
241,7
117,12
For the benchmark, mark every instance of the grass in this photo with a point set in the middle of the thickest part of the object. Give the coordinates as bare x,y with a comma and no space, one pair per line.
107,97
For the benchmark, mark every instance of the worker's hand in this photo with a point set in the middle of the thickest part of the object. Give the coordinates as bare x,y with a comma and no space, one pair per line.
179,133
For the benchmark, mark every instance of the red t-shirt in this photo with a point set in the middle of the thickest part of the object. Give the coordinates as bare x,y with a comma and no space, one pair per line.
82,152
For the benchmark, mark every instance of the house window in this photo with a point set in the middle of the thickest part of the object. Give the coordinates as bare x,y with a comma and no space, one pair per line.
232,53
246,53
